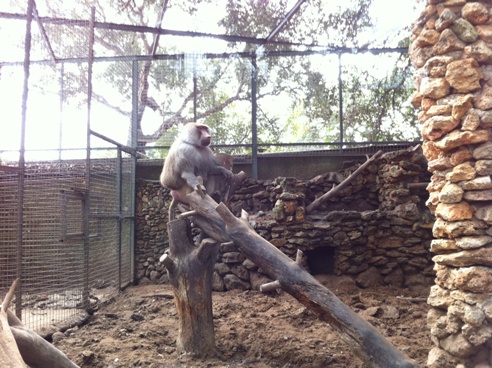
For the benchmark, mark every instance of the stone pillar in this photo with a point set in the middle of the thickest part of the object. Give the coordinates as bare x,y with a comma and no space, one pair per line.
452,51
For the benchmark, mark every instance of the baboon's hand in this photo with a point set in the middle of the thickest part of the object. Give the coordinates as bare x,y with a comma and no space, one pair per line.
200,189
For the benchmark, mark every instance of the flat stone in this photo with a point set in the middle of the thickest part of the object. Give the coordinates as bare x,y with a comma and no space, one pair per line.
466,258
479,183
472,242
443,246
454,211
457,138
452,230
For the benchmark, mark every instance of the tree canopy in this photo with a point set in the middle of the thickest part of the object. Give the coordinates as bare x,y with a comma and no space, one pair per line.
318,73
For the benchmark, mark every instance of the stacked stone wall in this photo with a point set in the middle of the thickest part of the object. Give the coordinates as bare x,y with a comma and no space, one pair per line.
377,230
452,51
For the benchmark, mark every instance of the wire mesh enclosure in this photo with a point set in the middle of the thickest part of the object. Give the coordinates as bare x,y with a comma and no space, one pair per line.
88,86
67,194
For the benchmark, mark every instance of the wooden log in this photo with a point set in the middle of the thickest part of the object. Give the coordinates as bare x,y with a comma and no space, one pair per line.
335,190
10,356
361,337
36,351
22,347
190,269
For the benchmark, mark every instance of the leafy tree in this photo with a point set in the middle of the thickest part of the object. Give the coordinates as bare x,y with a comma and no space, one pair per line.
374,106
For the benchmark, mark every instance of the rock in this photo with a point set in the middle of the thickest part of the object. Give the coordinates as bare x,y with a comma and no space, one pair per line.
464,75
232,282
154,275
436,66
448,41
232,257
427,37
137,317
451,193
466,258
446,19
484,100
434,88
471,242
484,213
57,337
458,138
464,30
258,279
443,245
439,297
217,282
436,126
439,358
483,151
88,357
369,278
464,171
395,278
240,272
479,183
475,13
478,195
458,345
445,229
454,211
483,167
484,32
390,312
479,50
471,120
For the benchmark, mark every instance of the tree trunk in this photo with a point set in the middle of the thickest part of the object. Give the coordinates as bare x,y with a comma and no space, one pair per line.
361,337
190,269
319,201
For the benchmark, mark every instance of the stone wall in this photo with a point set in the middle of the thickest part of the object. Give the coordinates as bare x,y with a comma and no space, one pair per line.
377,230
452,51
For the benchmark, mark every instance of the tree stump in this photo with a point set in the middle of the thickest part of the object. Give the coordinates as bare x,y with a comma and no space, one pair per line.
190,269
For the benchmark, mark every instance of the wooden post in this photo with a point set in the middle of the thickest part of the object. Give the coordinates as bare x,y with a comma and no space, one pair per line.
190,269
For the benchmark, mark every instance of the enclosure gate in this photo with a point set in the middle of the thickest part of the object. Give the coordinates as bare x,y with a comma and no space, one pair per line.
70,243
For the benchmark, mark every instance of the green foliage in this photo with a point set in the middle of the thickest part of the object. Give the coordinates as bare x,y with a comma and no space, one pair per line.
298,96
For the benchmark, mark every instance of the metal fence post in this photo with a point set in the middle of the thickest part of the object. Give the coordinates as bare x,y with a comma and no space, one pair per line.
254,108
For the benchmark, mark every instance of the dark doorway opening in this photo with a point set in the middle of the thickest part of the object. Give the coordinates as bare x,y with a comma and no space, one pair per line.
321,261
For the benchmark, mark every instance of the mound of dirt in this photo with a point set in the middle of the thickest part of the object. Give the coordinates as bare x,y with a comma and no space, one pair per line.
139,328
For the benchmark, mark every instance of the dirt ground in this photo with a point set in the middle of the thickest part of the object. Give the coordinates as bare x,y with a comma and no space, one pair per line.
139,327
